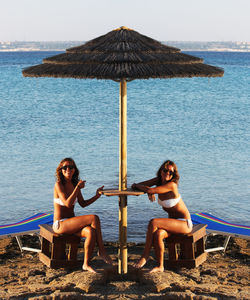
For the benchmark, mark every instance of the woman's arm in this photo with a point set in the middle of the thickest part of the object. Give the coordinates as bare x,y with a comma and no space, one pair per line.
60,192
162,189
84,203
147,183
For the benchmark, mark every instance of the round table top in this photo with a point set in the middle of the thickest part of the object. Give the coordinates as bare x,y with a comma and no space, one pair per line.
116,192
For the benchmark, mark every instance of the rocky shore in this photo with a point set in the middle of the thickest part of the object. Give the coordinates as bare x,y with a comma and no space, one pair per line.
220,277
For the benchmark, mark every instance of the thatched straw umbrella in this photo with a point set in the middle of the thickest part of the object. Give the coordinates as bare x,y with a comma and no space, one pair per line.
123,55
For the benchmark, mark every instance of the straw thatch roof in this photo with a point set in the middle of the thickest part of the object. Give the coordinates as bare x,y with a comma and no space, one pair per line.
123,54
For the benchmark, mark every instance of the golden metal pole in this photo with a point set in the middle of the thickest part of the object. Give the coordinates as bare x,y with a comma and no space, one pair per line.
123,253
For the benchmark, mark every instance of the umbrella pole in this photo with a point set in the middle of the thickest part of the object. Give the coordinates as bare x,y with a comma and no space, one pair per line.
122,254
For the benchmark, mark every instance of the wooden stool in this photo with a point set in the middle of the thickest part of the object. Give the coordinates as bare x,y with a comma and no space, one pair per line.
191,248
53,250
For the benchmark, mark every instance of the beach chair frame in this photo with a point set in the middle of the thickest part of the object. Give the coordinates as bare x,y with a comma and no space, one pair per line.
23,248
217,226
222,248
28,226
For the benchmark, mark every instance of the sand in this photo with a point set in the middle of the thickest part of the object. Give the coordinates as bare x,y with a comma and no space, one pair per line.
219,277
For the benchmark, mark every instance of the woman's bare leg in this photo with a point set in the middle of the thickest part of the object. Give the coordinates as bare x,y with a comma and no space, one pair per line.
148,244
159,247
170,225
90,239
76,224
102,251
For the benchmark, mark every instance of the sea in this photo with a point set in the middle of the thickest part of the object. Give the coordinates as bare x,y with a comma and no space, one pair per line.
202,124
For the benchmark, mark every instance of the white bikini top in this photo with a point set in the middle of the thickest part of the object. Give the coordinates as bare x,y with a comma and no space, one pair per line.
169,203
59,201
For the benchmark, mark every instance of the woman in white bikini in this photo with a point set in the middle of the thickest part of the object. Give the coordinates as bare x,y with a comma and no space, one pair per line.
67,192
179,220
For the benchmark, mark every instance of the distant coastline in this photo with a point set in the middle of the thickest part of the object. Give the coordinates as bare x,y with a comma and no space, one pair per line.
22,46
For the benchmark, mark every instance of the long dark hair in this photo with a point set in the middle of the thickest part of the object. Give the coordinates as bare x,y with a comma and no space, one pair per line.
176,175
59,176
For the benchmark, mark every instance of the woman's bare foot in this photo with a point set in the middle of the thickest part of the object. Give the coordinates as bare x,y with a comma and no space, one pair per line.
141,262
157,269
88,268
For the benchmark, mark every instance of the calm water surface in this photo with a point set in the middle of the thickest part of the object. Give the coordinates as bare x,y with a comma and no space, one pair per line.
202,124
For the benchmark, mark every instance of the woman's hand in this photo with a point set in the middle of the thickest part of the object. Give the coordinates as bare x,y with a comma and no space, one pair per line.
98,191
133,186
81,184
151,197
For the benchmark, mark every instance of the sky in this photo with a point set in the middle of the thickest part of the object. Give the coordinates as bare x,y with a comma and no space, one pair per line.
164,20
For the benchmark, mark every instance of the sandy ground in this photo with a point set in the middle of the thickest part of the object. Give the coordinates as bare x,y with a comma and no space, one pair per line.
219,277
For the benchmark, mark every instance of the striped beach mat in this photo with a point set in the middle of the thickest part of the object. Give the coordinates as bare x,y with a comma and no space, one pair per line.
26,226
220,226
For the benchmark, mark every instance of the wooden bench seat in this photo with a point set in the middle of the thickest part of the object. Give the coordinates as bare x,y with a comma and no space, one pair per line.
58,250
187,250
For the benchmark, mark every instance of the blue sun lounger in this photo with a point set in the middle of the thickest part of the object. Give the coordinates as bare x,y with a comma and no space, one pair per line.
28,226
218,226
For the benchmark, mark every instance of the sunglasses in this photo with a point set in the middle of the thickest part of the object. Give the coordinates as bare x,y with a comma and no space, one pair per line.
71,167
168,171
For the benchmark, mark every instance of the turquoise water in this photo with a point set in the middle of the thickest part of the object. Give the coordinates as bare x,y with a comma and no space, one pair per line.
202,124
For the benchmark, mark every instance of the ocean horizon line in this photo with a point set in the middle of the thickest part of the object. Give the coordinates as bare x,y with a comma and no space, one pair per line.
218,46
189,50
74,41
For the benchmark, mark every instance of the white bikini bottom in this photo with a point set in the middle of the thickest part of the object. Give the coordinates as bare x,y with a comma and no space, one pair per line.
189,222
56,224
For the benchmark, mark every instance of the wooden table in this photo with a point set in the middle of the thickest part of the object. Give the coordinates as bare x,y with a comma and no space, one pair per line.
123,251
128,192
